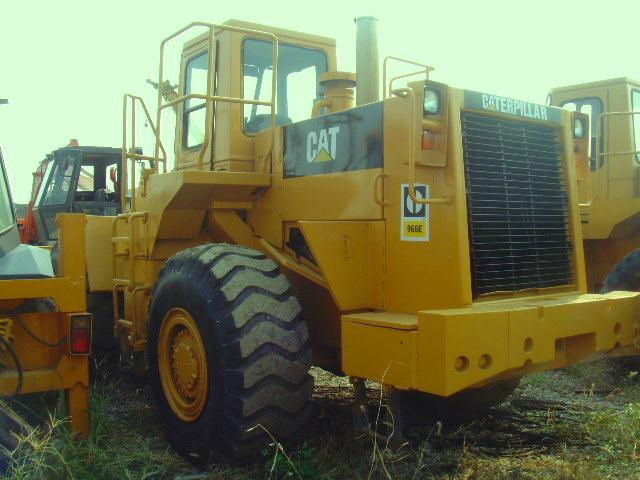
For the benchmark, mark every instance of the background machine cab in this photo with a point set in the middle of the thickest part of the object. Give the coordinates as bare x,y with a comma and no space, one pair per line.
78,180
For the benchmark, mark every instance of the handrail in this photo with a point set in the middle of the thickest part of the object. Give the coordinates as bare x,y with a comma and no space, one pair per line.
376,181
410,94
601,123
426,69
211,99
214,98
130,153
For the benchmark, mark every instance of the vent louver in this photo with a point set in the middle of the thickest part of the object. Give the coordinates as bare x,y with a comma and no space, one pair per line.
517,205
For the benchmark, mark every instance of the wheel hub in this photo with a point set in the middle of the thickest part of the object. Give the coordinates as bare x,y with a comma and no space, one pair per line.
185,365
182,364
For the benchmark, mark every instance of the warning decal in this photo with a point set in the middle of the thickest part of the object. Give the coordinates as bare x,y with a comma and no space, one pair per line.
414,217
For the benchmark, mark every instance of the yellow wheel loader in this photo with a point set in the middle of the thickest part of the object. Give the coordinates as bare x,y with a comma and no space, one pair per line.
611,192
429,240
45,332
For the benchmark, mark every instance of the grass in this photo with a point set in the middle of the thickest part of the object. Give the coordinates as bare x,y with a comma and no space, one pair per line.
119,447
560,425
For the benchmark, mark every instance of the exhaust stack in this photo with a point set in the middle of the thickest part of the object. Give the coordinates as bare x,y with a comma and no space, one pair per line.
367,61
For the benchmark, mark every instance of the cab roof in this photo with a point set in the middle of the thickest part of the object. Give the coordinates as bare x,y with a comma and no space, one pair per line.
90,150
598,83
281,33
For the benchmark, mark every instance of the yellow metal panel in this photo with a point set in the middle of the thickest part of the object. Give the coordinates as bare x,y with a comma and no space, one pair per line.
458,349
99,253
528,340
71,260
434,273
177,202
67,295
377,255
399,321
573,208
68,289
227,226
61,376
343,252
381,354
286,35
469,346
181,224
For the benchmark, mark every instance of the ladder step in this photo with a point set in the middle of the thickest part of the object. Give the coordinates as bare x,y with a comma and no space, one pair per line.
124,323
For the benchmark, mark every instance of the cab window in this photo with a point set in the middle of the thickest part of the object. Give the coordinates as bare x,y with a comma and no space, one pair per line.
59,182
6,209
592,107
635,106
194,116
86,179
298,84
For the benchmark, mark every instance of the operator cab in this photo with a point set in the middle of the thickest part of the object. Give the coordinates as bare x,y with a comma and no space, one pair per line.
614,133
79,180
232,127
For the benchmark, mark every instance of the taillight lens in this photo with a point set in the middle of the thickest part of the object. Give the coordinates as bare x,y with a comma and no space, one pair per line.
80,334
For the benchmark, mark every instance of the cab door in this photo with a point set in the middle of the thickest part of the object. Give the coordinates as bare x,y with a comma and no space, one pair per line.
193,146
592,101
9,237
56,193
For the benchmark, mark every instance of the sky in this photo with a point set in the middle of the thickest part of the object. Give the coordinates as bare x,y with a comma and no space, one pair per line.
64,65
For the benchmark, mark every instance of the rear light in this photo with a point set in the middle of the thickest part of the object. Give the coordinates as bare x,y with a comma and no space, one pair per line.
80,334
427,140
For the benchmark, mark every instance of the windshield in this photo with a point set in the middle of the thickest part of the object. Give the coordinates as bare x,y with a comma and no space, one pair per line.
635,106
58,182
298,85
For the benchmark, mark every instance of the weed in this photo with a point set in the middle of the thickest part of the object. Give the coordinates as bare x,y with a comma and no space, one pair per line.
302,464
617,435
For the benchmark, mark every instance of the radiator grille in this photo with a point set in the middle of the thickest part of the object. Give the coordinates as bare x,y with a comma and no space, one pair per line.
517,205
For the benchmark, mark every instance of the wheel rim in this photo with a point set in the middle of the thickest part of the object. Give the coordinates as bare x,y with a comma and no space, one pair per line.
182,364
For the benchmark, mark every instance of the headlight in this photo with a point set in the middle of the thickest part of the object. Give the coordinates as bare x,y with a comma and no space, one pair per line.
431,102
578,128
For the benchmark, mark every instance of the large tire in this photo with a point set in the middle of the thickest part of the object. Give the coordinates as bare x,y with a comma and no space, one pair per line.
625,275
256,347
105,348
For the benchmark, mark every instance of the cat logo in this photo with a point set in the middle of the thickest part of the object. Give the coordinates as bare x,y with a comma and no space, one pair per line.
321,147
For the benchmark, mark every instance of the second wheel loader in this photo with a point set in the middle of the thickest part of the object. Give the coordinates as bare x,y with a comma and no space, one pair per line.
610,194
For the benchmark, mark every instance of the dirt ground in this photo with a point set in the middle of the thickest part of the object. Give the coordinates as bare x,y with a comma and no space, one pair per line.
577,423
